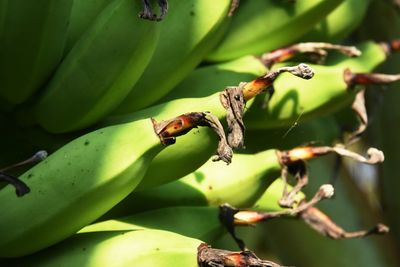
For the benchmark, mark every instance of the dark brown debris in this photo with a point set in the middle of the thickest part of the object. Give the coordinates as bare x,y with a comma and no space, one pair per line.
147,12
168,130
211,257
232,100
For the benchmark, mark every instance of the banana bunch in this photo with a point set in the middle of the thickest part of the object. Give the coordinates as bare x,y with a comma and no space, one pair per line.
32,41
114,89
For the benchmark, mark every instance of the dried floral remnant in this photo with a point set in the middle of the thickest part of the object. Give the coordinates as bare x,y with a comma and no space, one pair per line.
20,187
168,130
353,79
315,48
147,12
324,225
233,101
211,257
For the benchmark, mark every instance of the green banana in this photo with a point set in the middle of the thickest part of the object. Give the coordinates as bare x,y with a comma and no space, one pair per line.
388,25
192,154
240,184
326,93
99,71
32,41
81,181
211,79
340,23
192,221
322,131
83,13
191,29
263,25
139,248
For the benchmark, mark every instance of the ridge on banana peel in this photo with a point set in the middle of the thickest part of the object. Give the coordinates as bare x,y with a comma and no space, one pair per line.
43,24
83,15
263,25
82,180
99,71
191,29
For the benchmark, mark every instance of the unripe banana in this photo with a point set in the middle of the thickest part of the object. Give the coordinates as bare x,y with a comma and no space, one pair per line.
193,154
240,184
175,163
191,29
193,221
32,42
83,13
262,25
211,79
139,248
100,69
80,182
321,131
326,93
341,22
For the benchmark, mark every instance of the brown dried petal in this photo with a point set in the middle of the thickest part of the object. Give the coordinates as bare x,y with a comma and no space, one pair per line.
324,225
211,257
233,101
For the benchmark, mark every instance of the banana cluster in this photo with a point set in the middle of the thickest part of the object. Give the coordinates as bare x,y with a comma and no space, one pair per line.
112,91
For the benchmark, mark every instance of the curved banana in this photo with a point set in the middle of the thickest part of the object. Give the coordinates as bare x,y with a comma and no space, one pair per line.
327,92
139,248
240,184
342,21
262,25
192,154
192,221
100,69
83,13
207,80
191,29
81,181
32,41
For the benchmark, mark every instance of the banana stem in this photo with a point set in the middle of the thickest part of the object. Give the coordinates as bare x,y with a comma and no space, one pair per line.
314,48
233,7
261,84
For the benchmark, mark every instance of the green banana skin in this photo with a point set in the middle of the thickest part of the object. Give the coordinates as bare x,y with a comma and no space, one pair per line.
32,42
83,13
240,183
100,69
193,221
211,79
75,185
340,23
173,163
263,25
139,248
191,29
326,93
322,131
